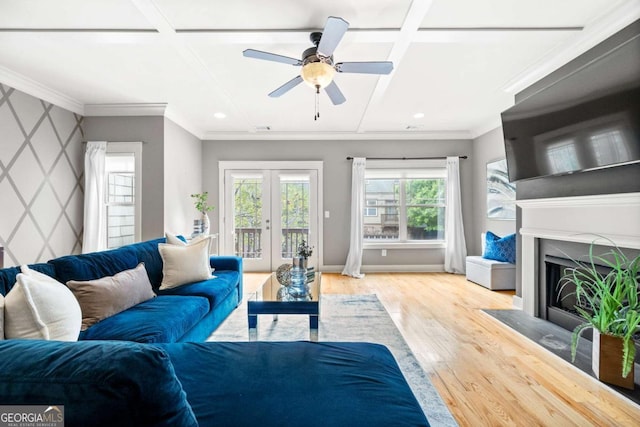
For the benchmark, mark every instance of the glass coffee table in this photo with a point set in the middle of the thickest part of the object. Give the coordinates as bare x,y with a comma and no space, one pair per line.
273,298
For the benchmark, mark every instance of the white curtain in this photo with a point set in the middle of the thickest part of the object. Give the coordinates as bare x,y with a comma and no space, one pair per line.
456,251
95,231
354,259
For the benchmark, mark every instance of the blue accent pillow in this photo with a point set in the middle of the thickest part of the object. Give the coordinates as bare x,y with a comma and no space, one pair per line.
500,249
100,383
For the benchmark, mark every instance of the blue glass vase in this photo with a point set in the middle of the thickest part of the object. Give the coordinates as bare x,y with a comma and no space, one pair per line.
298,287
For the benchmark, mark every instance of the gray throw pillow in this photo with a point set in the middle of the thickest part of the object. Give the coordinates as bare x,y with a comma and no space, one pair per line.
102,298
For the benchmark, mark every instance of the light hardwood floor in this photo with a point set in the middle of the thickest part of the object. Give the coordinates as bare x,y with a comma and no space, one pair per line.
487,374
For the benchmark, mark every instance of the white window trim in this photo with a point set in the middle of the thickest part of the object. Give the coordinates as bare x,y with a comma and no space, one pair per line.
380,169
136,149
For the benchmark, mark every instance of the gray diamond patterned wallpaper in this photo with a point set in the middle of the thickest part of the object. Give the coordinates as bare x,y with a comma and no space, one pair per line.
41,178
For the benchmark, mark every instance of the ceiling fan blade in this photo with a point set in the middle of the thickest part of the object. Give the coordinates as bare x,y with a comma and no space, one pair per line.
333,32
335,94
380,67
267,56
286,87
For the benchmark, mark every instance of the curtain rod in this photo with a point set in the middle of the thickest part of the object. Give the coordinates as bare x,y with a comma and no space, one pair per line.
407,158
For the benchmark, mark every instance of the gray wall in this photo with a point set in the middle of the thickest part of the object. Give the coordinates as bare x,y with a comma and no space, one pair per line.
486,148
337,185
182,177
149,130
41,178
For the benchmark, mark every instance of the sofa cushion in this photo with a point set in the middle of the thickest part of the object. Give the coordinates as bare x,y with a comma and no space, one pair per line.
109,295
215,290
500,249
8,275
294,383
158,320
39,307
184,264
147,252
99,383
94,265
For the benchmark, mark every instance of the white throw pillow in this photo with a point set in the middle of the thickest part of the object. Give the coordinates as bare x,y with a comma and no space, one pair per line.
40,307
1,317
184,264
172,239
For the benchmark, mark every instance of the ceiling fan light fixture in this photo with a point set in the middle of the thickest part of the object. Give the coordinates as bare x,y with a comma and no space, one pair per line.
317,74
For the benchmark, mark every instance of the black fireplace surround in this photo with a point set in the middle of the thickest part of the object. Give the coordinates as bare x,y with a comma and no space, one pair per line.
557,298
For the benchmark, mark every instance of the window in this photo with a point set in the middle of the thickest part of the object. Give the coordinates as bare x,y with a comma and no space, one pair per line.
122,193
368,211
411,203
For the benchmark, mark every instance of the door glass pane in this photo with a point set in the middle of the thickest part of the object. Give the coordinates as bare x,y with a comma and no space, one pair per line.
294,199
247,199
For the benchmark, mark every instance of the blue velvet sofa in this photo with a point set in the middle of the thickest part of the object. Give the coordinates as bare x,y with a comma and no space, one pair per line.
186,313
236,384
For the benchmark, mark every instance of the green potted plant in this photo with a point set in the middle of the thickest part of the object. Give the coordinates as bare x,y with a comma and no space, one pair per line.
609,304
202,206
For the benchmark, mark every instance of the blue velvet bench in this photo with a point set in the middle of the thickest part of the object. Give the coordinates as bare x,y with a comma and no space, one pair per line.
210,384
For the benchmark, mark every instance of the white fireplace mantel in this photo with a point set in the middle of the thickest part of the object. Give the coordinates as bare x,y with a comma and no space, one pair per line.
611,219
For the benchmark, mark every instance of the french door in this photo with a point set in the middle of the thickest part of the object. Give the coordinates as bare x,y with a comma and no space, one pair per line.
268,212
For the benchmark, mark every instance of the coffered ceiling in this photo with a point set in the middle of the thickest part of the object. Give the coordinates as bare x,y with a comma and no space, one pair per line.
457,62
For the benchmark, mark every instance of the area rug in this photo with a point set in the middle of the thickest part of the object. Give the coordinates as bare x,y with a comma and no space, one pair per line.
359,318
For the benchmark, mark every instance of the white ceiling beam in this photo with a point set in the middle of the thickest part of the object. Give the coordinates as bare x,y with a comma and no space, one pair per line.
157,19
335,136
282,36
410,27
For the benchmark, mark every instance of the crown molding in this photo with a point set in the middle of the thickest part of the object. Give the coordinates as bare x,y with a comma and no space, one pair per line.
33,88
308,136
184,123
148,109
593,33
487,127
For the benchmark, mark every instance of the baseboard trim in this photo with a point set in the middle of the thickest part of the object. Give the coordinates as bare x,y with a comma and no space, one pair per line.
419,268
517,302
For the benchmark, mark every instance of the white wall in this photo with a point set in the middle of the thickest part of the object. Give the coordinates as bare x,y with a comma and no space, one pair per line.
486,148
182,177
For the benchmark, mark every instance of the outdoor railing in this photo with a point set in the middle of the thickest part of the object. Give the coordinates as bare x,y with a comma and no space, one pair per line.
248,241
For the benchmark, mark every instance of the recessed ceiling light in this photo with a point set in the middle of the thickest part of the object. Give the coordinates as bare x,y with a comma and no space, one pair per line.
418,116
219,115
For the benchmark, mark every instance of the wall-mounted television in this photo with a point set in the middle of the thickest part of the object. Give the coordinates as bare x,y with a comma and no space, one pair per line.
588,120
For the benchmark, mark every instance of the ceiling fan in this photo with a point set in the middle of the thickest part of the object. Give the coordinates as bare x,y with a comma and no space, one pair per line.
317,63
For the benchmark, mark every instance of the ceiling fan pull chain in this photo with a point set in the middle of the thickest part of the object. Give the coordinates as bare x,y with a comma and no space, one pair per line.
317,115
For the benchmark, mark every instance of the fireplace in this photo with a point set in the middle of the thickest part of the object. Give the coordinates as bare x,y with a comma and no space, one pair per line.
570,221
559,295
